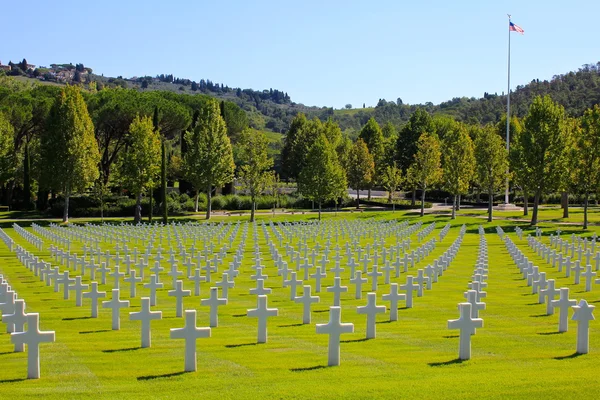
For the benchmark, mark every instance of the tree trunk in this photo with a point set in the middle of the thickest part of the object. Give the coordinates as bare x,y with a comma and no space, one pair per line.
151,205
564,200
390,197
585,210
525,203
163,184
138,209
454,206
536,203
414,197
208,201
478,196
423,202
26,180
252,210
66,209
458,204
369,194
319,210
357,199
490,205
196,204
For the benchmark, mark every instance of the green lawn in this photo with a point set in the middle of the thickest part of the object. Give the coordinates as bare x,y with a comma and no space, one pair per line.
515,355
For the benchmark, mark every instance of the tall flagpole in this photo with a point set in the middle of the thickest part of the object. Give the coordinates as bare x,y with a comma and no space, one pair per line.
506,201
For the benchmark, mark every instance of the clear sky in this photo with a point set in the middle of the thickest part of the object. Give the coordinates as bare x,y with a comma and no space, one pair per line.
324,53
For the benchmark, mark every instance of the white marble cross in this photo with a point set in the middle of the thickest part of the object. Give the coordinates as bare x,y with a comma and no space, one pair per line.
117,275
563,304
337,289
94,295
32,337
225,284
371,310
306,299
318,276
103,271
467,326
8,307
262,312
190,333
393,297
471,296
358,281
214,302
260,288
589,275
293,283
174,274
65,281
374,274
145,316
17,320
197,278
153,285
583,315
115,304
179,294
78,288
410,287
335,328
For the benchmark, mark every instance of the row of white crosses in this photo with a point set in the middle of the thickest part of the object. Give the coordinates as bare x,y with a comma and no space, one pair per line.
12,311
444,231
7,240
565,263
30,237
547,293
469,311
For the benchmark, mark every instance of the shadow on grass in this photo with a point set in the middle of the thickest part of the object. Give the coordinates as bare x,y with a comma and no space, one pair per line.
75,318
308,368
239,315
539,315
12,380
533,304
233,346
527,294
150,377
289,326
320,311
549,333
442,363
4,353
384,322
121,350
354,340
574,355
100,331
451,336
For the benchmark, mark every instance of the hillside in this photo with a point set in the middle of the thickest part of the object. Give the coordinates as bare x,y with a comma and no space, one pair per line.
272,110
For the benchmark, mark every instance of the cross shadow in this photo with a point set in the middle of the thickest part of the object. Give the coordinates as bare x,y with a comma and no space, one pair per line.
6,352
121,350
289,326
441,364
238,315
12,380
574,355
232,346
150,377
539,315
354,340
75,318
308,368
595,301
527,294
402,308
320,311
450,336
550,333
100,331
384,322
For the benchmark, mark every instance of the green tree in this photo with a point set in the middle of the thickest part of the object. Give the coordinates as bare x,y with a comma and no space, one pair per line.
7,164
587,142
26,179
140,164
491,160
208,160
322,178
543,144
69,149
163,181
297,143
425,171
255,164
391,179
360,168
519,173
373,137
458,162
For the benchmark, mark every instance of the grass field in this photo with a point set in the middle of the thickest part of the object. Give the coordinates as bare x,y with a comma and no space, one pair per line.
517,354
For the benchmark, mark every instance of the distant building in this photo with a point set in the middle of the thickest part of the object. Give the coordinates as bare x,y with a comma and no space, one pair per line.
5,67
30,67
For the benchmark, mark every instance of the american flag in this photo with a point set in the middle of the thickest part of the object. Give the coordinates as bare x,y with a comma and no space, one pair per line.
515,28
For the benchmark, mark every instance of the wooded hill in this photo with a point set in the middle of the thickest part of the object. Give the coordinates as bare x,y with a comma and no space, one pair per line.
273,109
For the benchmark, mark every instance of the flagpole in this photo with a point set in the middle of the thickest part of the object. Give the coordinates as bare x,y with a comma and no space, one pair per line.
506,200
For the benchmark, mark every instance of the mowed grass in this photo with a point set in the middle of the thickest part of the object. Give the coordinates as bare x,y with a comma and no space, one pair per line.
517,354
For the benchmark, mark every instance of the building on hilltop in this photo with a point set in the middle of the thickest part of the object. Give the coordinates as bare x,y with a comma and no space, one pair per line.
5,67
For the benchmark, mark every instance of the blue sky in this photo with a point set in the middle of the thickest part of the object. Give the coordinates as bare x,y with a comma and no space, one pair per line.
324,53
